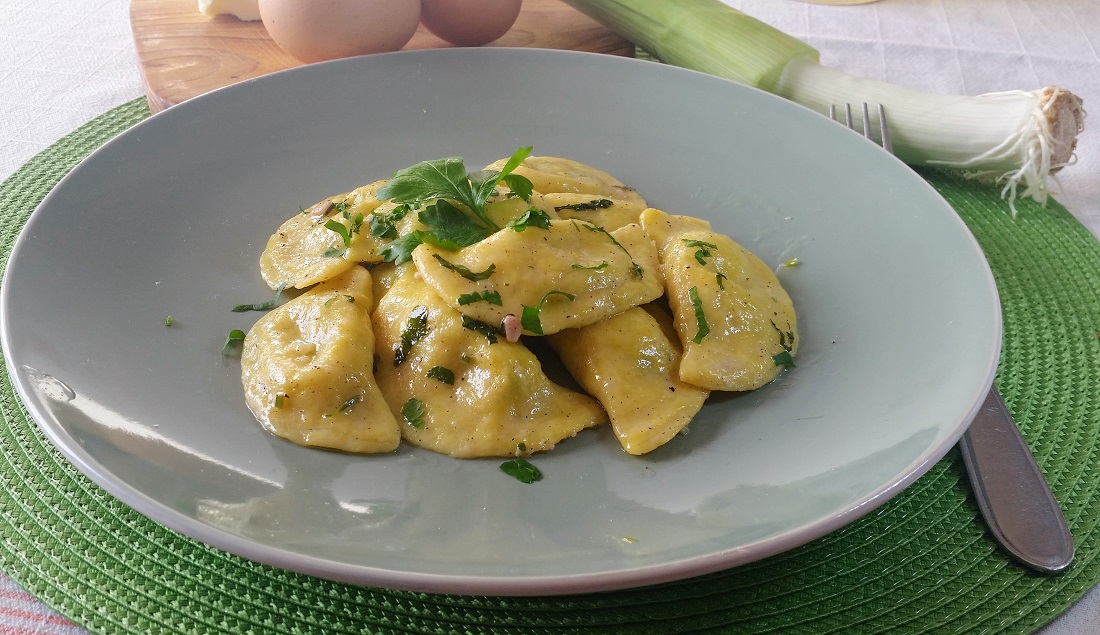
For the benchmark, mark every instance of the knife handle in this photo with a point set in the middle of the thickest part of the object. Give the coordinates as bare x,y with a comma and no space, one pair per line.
1011,491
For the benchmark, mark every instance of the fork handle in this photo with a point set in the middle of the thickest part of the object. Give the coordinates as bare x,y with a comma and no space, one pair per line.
1012,493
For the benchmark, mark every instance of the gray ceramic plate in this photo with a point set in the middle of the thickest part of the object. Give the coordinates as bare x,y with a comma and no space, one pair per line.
899,316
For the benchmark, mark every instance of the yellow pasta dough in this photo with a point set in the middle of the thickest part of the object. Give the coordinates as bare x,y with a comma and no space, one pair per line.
630,362
462,390
733,316
307,370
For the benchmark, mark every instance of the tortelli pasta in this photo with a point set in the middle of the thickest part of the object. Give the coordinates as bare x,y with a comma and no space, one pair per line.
435,303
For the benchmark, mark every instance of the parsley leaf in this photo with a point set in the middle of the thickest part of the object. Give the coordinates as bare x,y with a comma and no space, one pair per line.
492,297
383,225
600,203
531,218
415,330
636,270
783,359
413,412
703,251
473,276
261,306
488,330
233,343
530,318
344,406
700,318
447,178
442,374
522,470
600,267
450,227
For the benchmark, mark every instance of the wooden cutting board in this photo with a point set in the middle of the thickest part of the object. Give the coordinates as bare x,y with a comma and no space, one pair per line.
183,53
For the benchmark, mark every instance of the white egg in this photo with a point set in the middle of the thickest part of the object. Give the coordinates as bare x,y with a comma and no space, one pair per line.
316,30
469,22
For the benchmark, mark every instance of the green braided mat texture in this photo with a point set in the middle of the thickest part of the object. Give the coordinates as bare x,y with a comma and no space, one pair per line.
922,563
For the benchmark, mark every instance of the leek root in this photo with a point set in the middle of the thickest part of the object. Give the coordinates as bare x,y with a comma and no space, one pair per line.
1013,137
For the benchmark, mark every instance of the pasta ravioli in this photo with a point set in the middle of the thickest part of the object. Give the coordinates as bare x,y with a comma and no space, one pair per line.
422,294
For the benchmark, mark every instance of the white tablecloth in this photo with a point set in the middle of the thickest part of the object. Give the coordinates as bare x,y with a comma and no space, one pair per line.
63,62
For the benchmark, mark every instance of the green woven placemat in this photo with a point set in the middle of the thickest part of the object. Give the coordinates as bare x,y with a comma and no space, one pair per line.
922,563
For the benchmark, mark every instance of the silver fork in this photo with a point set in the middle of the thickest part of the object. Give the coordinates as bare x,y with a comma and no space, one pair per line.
1009,488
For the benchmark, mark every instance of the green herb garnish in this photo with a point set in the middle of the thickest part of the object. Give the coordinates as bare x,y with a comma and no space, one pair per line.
415,329
413,412
234,342
601,203
784,359
448,227
168,320
443,374
720,278
530,218
492,297
280,399
703,251
488,330
384,225
521,470
464,272
263,306
636,271
447,178
530,318
344,406
603,265
355,223
700,317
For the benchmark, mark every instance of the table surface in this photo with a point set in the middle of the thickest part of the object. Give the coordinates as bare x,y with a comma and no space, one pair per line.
62,62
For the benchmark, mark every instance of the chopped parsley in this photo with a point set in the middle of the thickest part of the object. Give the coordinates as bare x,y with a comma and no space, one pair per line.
703,251
600,203
636,271
344,406
415,329
603,265
384,224
354,224
442,374
280,399
531,218
233,343
786,340
492,297
464,272
413,412
522,470
700,317
260,306
168,320
720,278
491,332
531,319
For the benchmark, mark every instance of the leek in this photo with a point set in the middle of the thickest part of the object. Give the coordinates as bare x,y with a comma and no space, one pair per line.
1013,137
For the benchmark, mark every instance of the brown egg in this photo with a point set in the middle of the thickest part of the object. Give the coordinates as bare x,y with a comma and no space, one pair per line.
469,22
316,30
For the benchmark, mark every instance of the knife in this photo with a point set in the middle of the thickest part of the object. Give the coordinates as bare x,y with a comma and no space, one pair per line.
1011,491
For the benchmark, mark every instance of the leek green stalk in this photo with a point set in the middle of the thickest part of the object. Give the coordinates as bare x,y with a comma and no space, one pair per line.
1015,137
